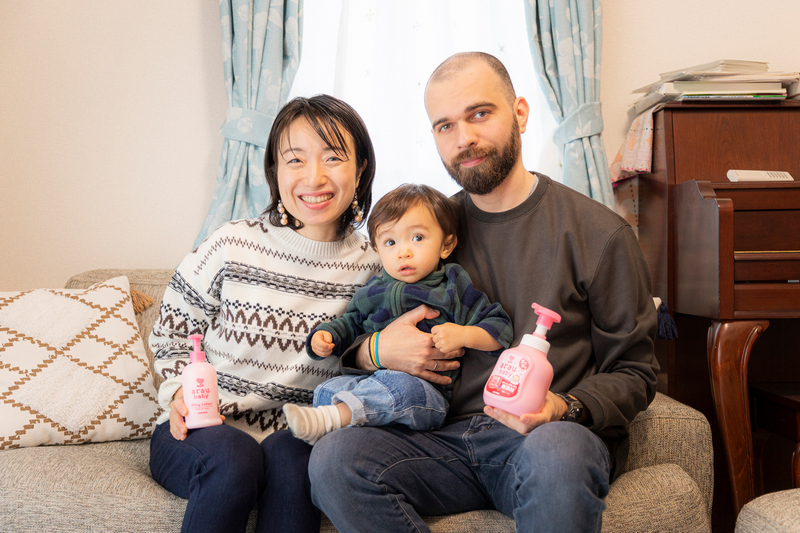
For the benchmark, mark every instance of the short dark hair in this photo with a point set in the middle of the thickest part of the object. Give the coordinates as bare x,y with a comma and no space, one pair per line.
328,116
392,206
457,62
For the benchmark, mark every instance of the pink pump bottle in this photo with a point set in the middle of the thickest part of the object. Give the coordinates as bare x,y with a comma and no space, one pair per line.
522,376
200,393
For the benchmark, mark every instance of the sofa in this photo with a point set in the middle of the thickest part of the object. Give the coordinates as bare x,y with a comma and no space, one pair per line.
667,484
775,512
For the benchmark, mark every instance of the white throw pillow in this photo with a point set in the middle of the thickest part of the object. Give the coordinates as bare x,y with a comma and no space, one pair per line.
73,367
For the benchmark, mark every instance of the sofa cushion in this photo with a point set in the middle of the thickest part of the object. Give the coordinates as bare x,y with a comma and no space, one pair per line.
73,367
484,521
108,487
651,498
91,487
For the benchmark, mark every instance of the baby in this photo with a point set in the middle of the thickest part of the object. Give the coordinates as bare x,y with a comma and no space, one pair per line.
413,229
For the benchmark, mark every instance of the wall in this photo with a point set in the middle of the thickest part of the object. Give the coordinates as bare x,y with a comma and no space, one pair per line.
642,38
109,134
110,114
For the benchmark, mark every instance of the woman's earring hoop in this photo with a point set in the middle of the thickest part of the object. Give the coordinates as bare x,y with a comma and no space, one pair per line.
282,211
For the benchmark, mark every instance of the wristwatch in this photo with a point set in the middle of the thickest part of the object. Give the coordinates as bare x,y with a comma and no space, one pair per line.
574,408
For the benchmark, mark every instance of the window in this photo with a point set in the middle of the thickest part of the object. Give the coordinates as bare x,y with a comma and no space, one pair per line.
378,55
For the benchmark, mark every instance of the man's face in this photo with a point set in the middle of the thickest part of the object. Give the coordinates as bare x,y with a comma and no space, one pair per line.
475,128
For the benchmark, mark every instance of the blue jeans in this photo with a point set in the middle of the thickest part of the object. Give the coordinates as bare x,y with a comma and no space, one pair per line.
382,479
386,397
224,473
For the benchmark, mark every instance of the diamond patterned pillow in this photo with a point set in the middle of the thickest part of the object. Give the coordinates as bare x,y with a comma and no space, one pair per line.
73,367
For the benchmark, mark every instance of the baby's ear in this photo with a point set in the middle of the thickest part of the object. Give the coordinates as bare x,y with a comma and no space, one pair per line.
448,246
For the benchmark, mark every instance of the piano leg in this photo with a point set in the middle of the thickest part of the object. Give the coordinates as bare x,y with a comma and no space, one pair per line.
729,345
796,467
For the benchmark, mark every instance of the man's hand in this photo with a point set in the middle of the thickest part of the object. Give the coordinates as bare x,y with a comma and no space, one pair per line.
322,343
401,346
554,408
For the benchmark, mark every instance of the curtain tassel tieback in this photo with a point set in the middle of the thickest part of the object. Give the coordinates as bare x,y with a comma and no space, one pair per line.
247,125
585,121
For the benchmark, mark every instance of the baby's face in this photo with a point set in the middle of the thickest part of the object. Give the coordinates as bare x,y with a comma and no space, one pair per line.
411,247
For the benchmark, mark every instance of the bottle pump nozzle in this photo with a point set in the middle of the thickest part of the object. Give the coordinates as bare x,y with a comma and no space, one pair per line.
545,320
198,356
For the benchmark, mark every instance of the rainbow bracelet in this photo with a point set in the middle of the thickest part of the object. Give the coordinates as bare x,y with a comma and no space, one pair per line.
373,350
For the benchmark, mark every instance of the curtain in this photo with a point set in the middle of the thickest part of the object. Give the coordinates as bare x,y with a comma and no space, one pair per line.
261,52
377,55
565,41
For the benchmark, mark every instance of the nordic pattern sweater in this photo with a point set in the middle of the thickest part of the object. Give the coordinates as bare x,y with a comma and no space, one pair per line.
255,291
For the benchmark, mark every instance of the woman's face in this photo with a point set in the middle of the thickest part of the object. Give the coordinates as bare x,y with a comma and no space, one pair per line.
316,184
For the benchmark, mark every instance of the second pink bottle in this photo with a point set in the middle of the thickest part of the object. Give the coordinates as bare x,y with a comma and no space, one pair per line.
522,375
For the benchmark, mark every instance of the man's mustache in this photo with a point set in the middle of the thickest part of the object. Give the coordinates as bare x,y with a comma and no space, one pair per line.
472,153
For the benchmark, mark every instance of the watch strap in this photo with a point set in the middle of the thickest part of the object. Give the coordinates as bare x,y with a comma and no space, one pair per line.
574,408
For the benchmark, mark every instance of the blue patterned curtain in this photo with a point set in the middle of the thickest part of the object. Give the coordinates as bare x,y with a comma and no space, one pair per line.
565,38
261,51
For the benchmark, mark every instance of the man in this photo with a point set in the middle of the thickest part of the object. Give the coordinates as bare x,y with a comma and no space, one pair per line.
522,238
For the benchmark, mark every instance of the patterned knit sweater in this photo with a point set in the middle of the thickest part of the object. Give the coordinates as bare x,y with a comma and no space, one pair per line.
255,291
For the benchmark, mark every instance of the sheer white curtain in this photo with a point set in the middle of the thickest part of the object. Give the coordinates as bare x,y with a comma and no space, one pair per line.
377,55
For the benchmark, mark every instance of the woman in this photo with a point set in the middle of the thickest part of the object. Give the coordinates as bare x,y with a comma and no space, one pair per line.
255,288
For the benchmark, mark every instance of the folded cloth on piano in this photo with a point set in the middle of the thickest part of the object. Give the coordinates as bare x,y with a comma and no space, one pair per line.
636,154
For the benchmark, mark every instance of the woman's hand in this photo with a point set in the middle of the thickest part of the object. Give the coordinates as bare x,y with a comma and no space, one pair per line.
401,346
554,408
178,410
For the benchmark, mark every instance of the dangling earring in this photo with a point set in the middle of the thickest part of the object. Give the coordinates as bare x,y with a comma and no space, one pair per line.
357,211
282,211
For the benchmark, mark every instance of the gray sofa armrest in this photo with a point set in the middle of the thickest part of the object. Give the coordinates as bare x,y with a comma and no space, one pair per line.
669,432
776,512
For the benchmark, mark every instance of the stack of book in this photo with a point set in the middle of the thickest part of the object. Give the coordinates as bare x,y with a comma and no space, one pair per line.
720,81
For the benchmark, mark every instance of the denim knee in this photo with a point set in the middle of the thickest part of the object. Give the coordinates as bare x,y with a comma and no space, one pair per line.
332,460
565,455
561,479
229,457
285,455
285,504
219,469
567,442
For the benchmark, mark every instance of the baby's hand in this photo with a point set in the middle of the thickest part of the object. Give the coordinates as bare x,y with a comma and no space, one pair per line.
322,343
448,337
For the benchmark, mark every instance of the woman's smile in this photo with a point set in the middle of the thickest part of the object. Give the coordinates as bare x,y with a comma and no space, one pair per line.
315,199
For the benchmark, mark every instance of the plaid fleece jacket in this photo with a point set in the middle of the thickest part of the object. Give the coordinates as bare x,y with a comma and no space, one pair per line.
449,290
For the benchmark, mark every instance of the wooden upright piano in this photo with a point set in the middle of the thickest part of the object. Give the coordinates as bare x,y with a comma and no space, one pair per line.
737,261
721,255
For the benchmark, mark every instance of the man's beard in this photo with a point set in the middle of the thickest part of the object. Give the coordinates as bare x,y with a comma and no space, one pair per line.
492,171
